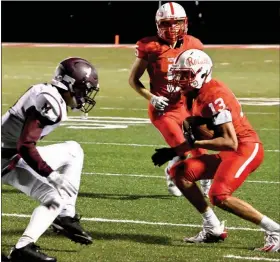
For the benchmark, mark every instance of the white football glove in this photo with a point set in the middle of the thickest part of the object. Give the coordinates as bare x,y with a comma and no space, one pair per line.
59,181
159,102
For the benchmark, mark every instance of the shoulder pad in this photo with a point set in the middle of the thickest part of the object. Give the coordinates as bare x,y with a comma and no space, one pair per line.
49,106
148,44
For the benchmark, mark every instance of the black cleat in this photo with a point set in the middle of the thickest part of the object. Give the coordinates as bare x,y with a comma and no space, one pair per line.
71,228
29,253
4,258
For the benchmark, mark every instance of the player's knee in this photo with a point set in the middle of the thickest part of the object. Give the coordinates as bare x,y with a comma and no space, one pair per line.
75,149
217,200
181,176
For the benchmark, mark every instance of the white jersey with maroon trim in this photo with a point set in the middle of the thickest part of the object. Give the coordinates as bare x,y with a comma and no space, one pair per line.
48,103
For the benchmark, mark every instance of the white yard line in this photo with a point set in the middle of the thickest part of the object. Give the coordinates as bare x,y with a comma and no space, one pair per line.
163,177
126,221
252,258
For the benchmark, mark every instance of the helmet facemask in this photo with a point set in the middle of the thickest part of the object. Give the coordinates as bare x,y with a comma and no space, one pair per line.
187,79
84,95
191,69
172,30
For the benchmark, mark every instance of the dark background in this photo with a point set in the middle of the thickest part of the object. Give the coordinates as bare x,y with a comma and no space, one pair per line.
222,22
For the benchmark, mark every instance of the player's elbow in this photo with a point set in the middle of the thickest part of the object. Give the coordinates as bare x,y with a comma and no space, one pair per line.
232,144
23,149
132,80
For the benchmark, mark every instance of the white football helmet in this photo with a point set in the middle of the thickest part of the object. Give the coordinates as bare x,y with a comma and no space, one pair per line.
171,21
191,69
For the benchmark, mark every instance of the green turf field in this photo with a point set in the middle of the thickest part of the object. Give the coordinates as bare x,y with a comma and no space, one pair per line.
123,197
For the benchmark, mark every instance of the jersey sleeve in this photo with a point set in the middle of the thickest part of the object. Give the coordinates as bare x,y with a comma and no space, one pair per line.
26,144
48,107
217,108
197,44
140,50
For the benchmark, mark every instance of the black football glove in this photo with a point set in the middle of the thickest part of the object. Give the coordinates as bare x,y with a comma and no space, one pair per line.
163,155
189,136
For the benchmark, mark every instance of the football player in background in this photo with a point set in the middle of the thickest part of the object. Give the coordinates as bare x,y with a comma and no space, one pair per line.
241,152
50,174
156,54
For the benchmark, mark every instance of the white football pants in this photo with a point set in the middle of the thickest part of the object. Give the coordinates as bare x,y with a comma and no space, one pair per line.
68,157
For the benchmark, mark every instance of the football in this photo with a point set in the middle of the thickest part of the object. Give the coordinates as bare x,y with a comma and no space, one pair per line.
202,128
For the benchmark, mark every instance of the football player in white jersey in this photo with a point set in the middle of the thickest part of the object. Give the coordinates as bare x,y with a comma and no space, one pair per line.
50,174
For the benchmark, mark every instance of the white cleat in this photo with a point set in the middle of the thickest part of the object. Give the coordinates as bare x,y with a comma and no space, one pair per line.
172,188
205,186
272,242
209,234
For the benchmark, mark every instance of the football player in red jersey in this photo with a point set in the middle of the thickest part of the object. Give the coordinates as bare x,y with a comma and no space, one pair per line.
241,151
156,54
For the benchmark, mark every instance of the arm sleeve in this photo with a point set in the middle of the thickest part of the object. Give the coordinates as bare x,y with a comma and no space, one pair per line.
26,145
198,44
222,117
45,112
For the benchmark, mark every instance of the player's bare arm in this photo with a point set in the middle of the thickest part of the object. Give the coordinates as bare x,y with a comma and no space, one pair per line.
227,141
137,70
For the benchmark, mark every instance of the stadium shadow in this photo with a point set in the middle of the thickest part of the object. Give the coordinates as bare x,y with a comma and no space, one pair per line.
147,239
122,196
104,195
139,238
49,233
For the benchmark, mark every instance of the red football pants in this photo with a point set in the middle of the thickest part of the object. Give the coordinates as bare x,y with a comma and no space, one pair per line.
228,169
169,125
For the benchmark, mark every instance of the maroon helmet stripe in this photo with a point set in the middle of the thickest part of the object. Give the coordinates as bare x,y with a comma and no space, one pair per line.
172,8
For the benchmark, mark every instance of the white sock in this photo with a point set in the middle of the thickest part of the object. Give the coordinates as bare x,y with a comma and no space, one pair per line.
205,182
69,208
24,241
172,162
209,217
42,217
68,211
269,225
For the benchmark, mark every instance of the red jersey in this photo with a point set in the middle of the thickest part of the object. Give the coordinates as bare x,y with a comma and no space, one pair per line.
212,99
160,57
